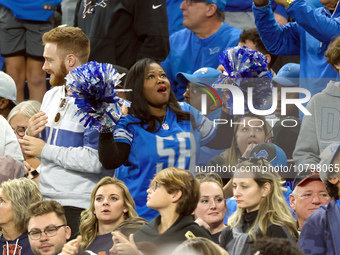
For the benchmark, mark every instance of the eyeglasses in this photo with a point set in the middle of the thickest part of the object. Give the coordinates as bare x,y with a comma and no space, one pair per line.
252,160
20,131
190,2
49,231
61,107
310,196
155,186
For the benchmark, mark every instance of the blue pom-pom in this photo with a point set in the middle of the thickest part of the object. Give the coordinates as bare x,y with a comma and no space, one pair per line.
247,68
92,85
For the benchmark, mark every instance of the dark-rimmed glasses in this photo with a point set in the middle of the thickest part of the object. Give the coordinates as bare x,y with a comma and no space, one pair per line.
20,131
156,185
252,160
49,231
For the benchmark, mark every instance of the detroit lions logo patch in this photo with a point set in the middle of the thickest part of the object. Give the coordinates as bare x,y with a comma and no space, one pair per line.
261,154
89,7
214,50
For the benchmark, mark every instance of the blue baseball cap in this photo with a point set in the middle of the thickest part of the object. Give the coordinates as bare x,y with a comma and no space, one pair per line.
204,75
271,152
288,75
221,4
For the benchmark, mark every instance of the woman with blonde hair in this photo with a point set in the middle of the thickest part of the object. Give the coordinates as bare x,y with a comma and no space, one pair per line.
251,130
15,198
111,204
261,207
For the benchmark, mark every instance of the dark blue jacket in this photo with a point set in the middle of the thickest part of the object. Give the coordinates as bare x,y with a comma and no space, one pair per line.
321,232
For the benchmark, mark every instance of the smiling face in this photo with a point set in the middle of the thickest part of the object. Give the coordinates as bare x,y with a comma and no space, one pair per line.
109,206
211,207
48,245
248,195
252,132
54,66
307,198
156,88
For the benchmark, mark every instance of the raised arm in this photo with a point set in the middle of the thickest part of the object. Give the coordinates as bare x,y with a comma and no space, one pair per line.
279,40
112,154
323,27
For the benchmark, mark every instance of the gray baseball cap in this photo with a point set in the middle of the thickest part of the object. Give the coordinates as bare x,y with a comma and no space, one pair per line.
8,88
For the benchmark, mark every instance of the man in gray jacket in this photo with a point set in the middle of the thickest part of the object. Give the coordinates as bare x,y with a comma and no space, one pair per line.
320,128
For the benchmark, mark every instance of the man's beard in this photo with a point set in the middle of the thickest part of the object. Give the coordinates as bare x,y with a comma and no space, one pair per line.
59,78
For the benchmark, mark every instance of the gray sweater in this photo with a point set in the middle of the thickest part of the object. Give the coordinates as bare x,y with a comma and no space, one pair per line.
319,129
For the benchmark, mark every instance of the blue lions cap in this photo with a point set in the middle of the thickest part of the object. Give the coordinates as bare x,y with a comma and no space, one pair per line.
204,75
271,152
221,4
288,75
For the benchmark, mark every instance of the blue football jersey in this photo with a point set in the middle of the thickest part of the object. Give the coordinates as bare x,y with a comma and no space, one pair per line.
176,144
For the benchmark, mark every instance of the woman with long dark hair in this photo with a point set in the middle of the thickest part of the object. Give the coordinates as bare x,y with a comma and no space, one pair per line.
157,133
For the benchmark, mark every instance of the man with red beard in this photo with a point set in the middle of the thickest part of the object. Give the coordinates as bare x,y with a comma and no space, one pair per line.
70,167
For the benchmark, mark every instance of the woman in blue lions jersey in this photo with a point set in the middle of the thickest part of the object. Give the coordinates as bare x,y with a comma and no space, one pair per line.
157,133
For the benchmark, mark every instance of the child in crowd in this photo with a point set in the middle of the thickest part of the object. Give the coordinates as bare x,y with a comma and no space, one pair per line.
174,193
